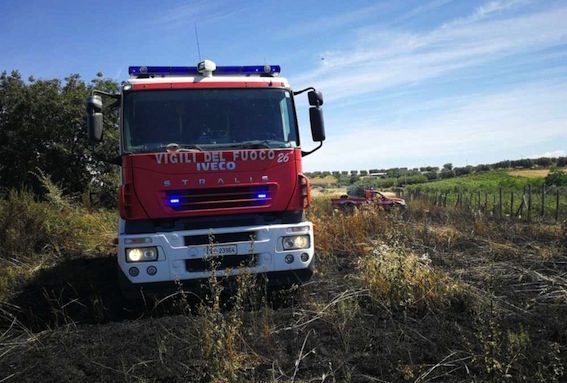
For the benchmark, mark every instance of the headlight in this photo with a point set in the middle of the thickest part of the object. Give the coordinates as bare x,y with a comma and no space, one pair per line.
296,242
141,254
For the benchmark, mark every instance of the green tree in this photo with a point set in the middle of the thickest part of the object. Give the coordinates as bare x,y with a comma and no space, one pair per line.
463,171
447,171
556,177
42,129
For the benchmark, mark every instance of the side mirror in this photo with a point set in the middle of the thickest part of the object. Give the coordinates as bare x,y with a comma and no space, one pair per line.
94,118
317,124
315,118
315,98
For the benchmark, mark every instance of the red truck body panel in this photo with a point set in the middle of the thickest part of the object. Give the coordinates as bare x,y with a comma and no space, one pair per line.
209,183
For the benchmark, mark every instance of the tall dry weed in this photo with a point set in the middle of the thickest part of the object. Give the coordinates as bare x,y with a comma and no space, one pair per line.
399,278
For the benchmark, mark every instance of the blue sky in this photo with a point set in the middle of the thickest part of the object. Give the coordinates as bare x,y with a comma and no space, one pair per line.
406,83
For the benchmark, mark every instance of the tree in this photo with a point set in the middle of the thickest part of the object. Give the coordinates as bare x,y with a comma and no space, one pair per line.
561,161
431,176
556,177
482,168
463,171
543,162
43,131
503,165
447,173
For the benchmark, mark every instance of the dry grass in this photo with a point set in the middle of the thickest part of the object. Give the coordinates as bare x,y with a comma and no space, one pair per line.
327,192
428,295
328,180
529,173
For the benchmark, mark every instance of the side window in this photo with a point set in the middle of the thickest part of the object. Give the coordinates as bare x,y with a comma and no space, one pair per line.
286,118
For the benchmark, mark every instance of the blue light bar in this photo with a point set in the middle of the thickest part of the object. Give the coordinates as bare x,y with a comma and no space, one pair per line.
262,195
250,69
163,70
273,70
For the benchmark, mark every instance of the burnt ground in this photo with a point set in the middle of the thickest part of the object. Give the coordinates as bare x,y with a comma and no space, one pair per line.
70,324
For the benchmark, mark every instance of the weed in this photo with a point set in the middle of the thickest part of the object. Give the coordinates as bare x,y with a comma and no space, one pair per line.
402,279
221,329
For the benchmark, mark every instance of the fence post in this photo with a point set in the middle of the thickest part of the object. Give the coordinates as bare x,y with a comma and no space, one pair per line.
500,203
542,210
523,203
529,203
557,206
511,205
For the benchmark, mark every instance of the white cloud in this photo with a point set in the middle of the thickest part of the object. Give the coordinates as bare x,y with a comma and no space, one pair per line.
197,13
468,130
492,8
526,114
382,59
554,153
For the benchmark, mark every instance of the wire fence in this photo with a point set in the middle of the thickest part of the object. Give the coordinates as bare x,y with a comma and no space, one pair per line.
530,205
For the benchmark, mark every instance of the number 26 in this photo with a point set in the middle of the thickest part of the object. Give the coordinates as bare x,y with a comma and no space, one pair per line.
283,157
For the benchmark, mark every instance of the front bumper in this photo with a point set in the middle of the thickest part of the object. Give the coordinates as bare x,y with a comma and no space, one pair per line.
185,256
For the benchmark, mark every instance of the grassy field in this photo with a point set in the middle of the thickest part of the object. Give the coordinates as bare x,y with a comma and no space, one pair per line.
516,194
492,180
427,295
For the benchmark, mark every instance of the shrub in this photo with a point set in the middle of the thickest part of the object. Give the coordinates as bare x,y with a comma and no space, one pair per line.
556,177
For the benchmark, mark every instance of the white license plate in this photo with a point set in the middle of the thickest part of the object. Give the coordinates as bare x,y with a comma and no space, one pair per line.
221,250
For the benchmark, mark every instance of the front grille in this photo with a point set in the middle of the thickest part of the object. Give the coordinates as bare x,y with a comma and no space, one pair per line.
220,263
219,197
205,239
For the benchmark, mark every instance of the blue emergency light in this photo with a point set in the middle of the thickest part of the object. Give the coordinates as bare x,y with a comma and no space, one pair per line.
272,70
262,195
175,201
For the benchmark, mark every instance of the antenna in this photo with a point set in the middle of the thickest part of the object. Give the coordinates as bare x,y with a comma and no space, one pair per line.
198,46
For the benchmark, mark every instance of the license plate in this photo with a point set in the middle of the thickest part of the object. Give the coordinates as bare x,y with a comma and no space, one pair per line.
221,250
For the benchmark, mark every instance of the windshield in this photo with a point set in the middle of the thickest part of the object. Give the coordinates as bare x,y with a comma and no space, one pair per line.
201,119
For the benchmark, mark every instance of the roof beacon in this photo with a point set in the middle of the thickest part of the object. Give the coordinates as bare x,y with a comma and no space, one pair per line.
206,68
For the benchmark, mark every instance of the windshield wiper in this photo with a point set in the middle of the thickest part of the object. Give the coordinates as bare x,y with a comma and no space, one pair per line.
255,144
182,148
258,144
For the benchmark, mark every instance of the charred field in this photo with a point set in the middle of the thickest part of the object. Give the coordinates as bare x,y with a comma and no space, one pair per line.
430,294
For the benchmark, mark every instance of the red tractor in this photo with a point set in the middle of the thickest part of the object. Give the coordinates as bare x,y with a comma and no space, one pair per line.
373,198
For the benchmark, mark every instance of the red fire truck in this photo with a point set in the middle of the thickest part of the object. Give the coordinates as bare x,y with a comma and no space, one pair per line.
373,198
211,173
